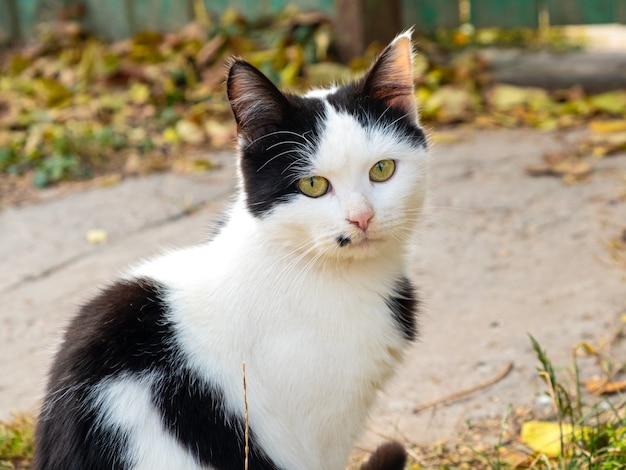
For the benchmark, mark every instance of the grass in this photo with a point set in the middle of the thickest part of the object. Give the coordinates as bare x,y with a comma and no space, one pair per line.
16,443
591,431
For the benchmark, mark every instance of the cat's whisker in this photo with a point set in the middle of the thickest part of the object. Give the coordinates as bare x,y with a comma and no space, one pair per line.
303,249
286,152
302,170
393,123
275,133
286,142
381,116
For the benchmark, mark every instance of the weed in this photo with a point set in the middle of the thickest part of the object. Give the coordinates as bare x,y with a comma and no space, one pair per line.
592,436
16,443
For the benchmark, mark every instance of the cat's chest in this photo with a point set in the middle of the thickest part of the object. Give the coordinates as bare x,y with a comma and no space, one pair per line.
289,319
317,346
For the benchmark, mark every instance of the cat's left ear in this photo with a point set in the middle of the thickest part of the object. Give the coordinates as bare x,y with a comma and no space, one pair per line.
390,79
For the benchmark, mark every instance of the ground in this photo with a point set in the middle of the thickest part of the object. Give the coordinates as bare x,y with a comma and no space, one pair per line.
499,255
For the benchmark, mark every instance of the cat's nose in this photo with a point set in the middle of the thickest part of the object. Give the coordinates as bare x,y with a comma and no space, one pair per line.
361,219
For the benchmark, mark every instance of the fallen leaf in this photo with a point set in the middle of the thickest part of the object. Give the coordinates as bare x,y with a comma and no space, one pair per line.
513,458
190,132
604,127
170,136
450,104
604,387
220,134
503,98
193,165
546,437
605,144
442,137
575,170
51,92
612,102
139,93
97,236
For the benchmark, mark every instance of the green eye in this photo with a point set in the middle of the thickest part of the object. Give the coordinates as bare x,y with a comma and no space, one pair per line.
382,171
313,186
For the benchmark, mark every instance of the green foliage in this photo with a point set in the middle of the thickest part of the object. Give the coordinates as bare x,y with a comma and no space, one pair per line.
16,443
596,436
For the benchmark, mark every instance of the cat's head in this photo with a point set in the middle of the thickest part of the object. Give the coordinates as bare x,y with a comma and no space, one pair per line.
338,172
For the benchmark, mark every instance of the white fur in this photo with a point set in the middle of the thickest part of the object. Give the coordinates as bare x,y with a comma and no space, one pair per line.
124,404
307,316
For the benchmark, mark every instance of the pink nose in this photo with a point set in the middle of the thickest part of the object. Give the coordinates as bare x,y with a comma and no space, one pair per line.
362,219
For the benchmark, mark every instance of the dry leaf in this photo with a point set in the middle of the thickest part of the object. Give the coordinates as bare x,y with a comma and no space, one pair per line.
450,104
545,437
190,132
605,387
97,236
442,137
604,127
503,98
612,102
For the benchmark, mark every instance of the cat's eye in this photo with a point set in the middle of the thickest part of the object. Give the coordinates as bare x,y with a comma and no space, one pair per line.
313,186
382,171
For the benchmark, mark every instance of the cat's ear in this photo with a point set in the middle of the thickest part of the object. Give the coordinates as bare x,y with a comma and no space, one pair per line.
257,104
390,79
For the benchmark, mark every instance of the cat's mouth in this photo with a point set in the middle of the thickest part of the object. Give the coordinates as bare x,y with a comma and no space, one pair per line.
362,241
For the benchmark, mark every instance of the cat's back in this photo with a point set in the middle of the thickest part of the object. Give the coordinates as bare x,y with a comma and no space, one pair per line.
119,331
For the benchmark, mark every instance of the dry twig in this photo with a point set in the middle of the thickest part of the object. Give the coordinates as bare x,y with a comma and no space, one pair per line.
246,433
464,393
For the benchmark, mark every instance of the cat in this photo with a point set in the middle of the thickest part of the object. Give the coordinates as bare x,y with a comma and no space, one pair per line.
305,282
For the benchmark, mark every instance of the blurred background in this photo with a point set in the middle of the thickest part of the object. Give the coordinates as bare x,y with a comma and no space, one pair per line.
77,76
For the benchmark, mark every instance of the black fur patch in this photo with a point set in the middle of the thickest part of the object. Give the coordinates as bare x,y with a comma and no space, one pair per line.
125,330
343,240
268,163
403,304
194,414
352,100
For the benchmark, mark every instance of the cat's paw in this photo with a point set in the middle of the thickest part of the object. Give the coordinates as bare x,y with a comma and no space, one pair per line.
389,456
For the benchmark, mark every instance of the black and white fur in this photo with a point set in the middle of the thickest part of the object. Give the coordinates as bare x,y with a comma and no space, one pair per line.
311,293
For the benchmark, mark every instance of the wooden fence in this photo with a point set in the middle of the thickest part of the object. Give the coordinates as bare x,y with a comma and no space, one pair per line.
358,20
431,14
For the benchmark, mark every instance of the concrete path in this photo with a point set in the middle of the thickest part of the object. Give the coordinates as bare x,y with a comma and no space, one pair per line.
499,255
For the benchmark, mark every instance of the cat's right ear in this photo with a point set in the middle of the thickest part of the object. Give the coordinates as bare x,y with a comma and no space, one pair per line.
257,104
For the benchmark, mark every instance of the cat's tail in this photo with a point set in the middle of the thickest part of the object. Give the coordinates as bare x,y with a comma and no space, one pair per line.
389,456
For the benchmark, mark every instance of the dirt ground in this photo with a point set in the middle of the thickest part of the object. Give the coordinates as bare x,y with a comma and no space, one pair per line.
499,255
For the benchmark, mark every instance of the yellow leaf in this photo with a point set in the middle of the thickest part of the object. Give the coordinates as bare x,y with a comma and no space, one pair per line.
450,104
139,93
545,437
51,92
503,98
443,137
190,132
607,126
613,102
589,349
97,236
219,133
170,136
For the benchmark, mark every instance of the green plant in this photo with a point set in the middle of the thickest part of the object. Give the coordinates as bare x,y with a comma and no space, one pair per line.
16,443
592,435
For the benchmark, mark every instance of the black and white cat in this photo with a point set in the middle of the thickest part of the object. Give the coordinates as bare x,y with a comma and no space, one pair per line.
305,282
